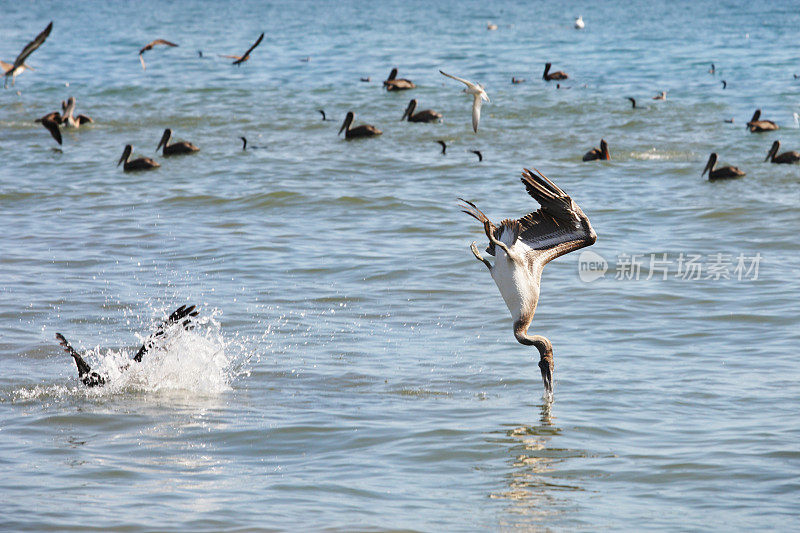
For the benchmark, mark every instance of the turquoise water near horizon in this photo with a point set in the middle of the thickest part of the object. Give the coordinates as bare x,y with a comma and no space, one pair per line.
354,368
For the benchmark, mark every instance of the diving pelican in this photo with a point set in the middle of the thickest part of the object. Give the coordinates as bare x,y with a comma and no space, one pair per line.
244,57
786,157
67,110
178,148
19,65
661,96
182,315
143,163
478,94
426,115
598,153
51,121
558,75
149,46
579,24
720,173
393,83
757,126
364,130
523,247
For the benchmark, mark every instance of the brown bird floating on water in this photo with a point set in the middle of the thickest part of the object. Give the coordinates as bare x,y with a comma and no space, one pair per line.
558,75
178,148
143,163
51,121
757,126
523,247
19,65
181,315
788,158
364,130
150,46
426,115
633,102
479,154
393,83
444,147
67,110
598,153
720,173
517,80
366,80
244,57
661,96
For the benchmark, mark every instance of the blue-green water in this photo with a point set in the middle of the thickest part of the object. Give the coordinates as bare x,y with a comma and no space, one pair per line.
355,368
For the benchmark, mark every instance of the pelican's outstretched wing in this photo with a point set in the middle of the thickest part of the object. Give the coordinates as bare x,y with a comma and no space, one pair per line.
32,46
246,55
182,313
560,226
85,374
149,46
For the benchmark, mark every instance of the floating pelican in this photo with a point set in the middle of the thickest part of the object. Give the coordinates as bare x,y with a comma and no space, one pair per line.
178,148
785,157
444,146
479,154
757,126
598,153
143,163
67,109
149,46
89,378
393,83
244,57
523,247
51,121
579,24
366,80
364,130
478,94
426,115
661,96
633,102
19,65
558,75
720,173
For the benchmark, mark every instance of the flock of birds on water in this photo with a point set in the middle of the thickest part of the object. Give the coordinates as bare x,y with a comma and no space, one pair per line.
521,247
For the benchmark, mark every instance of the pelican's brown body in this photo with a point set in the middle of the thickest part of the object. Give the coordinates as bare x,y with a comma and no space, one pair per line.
723,173
178,148
787,158
598,153
51,121
426,115
362,131
393,83
757,126
557,75
143,163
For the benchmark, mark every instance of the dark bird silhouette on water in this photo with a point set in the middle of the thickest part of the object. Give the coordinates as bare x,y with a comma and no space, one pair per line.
362,131
756,125
633,102
426,115
182,315
517,80
323,114
393,83
150,46
724,84
598,153
444,147
244,57
713,69
19,65
720,173
787,158
558,75
143,163
51,121
177,148
366,80
478,153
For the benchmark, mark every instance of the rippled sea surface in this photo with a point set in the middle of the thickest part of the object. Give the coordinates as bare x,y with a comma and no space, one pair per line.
354,367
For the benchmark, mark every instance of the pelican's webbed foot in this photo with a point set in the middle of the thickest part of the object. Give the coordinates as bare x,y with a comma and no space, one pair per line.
478,256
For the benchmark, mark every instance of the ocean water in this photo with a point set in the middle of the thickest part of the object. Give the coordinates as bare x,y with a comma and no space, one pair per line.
354,368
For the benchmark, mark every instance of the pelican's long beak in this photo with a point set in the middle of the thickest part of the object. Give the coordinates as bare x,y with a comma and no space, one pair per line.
163,141
708,167
546,366
121,159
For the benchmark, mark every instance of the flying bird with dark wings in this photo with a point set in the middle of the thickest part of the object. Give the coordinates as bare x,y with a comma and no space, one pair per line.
19,63
244,57
150,46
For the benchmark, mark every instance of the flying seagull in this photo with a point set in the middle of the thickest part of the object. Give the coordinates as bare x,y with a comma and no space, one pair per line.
476,90
523,247
150,46
19,63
